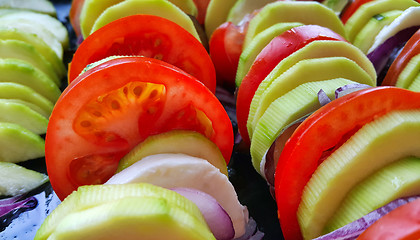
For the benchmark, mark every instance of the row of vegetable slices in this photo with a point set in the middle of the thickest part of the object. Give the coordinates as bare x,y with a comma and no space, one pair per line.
140,108
32,42
315,141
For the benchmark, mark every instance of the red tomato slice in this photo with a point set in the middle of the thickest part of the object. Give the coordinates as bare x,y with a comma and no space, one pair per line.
202,10
326,128
410,50
114,106
402,223
149,36
74,15
226,45
278,49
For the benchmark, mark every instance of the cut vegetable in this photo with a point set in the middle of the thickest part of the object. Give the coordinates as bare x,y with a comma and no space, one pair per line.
148,36
18,113
92,9
354,229
366,11
177,141
9,90
396,180
256,45
389,138
306,12
91,198
16,180
23,51
19,144
21,72
283,111
409,18
180,170
335,122
216,217
128,100
161,8
317,69
12,33
366,37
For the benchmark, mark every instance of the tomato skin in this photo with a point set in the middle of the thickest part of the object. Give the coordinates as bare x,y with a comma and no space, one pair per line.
410,50
149,36
202,9
72,153
402,223
278,49
74,15
320,132
225,47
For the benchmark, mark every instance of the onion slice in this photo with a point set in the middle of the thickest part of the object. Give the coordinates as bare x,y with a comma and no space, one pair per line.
349,88
354,229
216,217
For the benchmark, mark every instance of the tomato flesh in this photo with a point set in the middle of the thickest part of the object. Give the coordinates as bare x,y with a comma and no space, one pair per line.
114,106
278,49
410,50
321,132
149,36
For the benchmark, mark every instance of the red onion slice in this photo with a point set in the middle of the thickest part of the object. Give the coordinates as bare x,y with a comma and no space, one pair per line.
323,98
354,229
216,217
349,88
380,55
10,204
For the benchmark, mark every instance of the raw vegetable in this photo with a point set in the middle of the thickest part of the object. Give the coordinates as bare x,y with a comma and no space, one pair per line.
161,8
108,113
131,210
411,49
169,171
353,230
305,150
401,223
148,36
278,49
177,141
216,217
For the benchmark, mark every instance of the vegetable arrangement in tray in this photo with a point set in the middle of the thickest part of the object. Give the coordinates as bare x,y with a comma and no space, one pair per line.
326,105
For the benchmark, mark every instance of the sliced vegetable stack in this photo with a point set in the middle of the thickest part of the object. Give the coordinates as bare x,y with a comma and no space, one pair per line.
32,42
140,107
286,71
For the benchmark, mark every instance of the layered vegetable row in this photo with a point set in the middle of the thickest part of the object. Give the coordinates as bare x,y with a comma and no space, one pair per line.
315,141
140,108
32,41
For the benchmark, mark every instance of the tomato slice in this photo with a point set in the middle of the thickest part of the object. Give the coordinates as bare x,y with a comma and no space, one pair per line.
278,49
410,50
114,106
202,9
149,36
225,47
402,223
321,132
74,15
